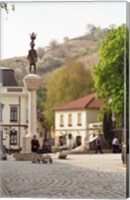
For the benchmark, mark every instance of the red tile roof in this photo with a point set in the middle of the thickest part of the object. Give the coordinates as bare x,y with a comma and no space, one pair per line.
88,101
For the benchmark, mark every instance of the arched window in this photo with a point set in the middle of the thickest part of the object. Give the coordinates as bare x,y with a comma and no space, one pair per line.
62,140
78,140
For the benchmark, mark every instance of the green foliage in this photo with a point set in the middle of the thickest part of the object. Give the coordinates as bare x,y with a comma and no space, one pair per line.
48,63
41,96
66,84
83,48
107,127
109,72
5,6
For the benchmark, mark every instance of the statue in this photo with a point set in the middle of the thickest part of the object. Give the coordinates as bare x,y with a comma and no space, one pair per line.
32,54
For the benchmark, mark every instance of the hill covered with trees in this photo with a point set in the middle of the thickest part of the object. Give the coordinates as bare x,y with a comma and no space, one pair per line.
66,69
84,48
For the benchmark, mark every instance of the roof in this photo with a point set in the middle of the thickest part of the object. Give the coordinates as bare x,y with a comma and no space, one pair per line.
8,77
88,101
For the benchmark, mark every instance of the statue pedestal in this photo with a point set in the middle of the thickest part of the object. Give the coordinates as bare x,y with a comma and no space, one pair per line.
32,82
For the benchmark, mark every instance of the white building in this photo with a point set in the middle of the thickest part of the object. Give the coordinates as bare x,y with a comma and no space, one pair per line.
77,122
13,110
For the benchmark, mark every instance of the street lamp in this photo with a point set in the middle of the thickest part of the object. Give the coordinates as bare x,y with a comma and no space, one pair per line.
113,118
110,101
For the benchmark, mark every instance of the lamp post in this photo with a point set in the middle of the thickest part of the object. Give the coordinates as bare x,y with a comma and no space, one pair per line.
113,117
110,101
113,121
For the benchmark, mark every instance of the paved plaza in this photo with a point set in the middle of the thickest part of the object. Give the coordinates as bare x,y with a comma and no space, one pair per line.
100,176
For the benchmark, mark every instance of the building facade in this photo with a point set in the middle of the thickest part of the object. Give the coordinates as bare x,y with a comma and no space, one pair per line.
13,110
77,122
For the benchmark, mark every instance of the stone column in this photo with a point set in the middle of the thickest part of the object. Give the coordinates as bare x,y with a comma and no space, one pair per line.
32,82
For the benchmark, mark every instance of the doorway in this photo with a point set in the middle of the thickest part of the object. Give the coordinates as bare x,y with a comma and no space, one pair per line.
78,140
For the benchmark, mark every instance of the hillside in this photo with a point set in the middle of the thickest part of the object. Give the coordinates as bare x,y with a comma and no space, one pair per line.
84,48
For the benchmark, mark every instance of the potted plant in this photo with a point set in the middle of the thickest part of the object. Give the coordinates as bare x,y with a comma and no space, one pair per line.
62,155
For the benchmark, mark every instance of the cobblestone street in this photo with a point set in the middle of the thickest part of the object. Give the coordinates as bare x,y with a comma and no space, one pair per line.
79,176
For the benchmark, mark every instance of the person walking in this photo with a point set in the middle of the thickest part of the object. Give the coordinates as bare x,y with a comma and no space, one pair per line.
115,145
34,148
98,146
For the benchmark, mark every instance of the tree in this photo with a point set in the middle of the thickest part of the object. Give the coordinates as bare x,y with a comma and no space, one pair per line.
68,83
5,6
108,127
53,44
91,28
109,72
40,52
66,39
95,33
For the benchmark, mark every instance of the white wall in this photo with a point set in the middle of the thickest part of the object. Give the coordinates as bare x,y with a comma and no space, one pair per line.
75,129
74,120
92,116
12,98
88,116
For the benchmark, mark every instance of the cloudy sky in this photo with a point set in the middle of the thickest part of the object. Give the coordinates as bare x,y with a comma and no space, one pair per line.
53,20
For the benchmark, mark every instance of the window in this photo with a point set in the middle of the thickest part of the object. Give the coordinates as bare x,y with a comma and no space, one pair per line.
13,137
78,140
62,140
70,120
13,114
79,119
61,120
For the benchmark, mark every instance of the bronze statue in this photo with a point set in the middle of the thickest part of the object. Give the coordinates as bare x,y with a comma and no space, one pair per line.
32,54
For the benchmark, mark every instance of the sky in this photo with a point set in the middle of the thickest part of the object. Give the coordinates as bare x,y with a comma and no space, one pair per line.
53,20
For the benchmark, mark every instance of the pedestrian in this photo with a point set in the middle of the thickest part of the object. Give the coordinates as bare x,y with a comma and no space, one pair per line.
34,148
98,146
115,145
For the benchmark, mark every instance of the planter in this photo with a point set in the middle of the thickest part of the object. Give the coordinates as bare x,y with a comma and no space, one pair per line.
23,156
62,155
3,156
